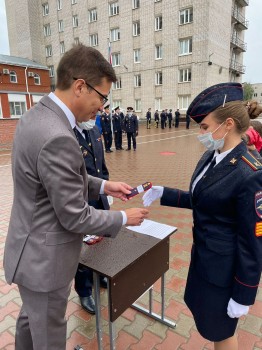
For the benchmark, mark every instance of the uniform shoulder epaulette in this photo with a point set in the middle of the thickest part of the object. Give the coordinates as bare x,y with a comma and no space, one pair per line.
252,161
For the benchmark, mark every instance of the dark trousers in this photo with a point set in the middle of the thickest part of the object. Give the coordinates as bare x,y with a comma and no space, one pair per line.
162,124
118,139
177,123
156,123
131,135
187,123
108,141
148,123
169,123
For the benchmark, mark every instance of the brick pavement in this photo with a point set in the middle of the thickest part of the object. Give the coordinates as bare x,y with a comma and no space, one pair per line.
165,158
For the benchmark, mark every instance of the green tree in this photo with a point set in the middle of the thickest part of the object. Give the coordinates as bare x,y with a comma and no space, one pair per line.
248,91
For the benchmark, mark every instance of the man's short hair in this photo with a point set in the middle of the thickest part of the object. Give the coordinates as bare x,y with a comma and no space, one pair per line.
86,63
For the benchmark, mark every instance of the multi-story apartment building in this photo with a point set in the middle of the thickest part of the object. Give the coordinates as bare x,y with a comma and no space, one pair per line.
257,94
164,52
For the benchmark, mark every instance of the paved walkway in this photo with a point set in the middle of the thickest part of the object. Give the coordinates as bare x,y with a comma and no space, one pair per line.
165,157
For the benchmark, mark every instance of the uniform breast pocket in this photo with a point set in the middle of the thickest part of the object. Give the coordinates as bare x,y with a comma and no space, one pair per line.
62,237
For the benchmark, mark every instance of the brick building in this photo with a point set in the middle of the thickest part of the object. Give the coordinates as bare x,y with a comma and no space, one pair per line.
22,84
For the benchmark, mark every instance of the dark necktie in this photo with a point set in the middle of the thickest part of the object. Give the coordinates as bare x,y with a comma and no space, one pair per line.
199,183
86,136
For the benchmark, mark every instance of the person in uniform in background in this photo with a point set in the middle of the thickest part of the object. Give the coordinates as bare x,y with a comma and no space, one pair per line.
166,115
98,121
117,128
106,128
148,118
170,117
163,119
131,128
90,142
177,118
187,121
225,195
156,116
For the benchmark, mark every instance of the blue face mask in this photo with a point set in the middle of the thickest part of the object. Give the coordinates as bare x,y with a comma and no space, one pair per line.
208,141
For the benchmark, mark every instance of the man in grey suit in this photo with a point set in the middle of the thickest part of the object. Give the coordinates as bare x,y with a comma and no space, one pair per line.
50,210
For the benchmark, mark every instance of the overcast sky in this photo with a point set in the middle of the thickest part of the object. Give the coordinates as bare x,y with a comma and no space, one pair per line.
252,58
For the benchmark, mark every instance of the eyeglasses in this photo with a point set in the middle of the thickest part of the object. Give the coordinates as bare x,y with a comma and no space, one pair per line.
103,98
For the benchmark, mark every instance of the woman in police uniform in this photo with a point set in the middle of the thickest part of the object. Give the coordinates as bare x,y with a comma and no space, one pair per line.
226,198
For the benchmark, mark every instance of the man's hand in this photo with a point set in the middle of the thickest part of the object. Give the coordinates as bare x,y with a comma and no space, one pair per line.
135,216
151,195
117,189
235,310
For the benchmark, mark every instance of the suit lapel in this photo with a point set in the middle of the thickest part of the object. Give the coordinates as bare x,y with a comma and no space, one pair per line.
223,168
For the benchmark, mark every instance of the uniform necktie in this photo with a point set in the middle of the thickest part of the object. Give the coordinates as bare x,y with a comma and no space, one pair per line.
199,183
86,136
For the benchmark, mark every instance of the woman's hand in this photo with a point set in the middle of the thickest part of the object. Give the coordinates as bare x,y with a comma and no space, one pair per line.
151,195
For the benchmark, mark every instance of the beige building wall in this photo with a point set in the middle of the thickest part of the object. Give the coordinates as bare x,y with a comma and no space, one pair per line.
211,31
257,95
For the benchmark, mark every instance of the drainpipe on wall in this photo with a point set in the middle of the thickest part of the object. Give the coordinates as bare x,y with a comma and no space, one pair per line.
26,82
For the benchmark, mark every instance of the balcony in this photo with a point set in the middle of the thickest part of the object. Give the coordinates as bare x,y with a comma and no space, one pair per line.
241,22
238,44
236,68
243,3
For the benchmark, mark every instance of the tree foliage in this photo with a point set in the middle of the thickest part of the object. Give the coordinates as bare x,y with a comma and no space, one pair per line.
248,91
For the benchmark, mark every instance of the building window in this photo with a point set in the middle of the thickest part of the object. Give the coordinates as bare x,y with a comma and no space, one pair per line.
158,23
255,94
76,41
48,51
17,109
60,26
136,28
159,79
45,8
75,21
115,34
62,47
73,2
185,46
186,16
92,15
47,30
93,39
137,80
116,59
116,103
138,105
13,77
59,5
113,9
136,4
118,84
184,75
51,71
137,56
37,80
158,52
158,0
158,104
183,101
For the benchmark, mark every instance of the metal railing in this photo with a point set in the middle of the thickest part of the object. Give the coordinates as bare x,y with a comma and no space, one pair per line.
237,67
238,42
239,17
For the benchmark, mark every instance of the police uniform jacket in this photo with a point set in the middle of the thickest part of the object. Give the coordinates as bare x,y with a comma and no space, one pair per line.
106,123
163,116
93,154
117,123
227,216
131,123
169,115
156,116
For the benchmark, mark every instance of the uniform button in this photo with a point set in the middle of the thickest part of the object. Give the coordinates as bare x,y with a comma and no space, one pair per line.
98,170
95,159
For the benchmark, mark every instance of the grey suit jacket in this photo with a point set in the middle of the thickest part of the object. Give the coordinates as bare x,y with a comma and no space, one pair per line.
50,212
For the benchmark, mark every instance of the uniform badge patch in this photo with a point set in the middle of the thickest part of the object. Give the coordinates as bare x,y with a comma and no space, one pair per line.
258,204
258,230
